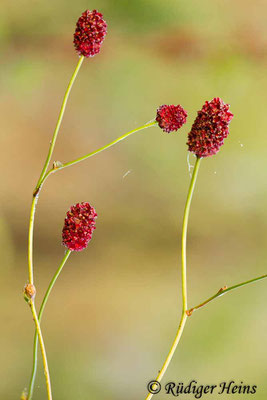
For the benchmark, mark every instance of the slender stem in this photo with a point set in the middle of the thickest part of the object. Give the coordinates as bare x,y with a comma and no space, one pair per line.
39,183
44,170
42,346
41,180
54,169
120,138
30,238
184,285
35,199
222,291
68,164
61,114
171,352
52,283
184,231
35,345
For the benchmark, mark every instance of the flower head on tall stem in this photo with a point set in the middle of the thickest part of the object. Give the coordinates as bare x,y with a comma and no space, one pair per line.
79,226
210,128
171,118
90,33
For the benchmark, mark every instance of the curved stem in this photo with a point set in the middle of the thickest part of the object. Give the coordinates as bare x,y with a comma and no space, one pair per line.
44,170
32,214
119,139
184,284
60,117
222,291
184,230
43,177
35,345
42,346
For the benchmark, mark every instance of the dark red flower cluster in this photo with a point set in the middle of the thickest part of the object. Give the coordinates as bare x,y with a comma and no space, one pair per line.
171,118
210,128
79,226
90,33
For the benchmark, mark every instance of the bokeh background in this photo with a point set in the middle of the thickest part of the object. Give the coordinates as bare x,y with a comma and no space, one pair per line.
114,312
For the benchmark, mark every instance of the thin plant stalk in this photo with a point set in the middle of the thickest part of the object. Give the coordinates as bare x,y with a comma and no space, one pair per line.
40,314
30,239
57,168
60,117
224,290
32,216
36,193
184,279
42,347
184,231
44,170
35,199
119,139
43,176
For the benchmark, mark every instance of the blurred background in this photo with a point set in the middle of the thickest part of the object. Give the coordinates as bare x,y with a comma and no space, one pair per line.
113,315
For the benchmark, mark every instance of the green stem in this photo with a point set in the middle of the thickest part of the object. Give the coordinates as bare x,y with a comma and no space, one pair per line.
222,291
184,231
44,170
42,346
35,345
43,177
184,284
30,238
120,138
171,352
61,114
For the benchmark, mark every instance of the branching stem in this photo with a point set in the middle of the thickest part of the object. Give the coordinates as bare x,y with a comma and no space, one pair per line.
186,313
35,344
60,117
44,170
222,291
36,193
43,351
184,285
93,153
31,224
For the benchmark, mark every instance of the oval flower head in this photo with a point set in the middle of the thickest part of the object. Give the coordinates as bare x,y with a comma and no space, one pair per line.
171,118
79,226
210,128
90,33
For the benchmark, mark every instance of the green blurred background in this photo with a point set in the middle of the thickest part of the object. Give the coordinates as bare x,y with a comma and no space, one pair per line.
113,315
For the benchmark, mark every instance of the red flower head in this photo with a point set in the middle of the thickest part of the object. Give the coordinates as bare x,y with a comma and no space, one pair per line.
171,118
90,33
210,128
78,227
